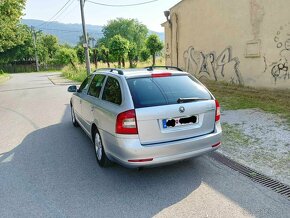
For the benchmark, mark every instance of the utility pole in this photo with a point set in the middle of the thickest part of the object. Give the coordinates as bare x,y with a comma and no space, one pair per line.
86,46
35,48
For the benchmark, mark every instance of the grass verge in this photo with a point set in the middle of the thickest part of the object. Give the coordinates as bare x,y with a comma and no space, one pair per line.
78,74
3,76
233,97
272,159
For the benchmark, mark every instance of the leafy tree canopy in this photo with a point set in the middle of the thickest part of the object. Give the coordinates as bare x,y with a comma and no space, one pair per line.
129,29
154,45
118,47
66,56
10,14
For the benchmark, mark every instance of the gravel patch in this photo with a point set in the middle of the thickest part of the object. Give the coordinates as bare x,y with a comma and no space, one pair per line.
259,140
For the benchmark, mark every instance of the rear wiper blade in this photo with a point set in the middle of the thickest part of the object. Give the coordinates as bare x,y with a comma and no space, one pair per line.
185,100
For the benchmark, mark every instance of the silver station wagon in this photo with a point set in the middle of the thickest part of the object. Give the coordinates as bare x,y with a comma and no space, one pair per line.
146,117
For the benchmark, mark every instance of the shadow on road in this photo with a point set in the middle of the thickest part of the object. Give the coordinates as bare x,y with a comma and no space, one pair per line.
53,172
56,166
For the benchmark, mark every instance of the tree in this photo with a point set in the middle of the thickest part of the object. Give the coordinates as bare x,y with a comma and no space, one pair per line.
118,48
50,43
91,40
154,45
105,56
144,54
10,14
129,29
80,53
66,56
132,54
95,56
22,52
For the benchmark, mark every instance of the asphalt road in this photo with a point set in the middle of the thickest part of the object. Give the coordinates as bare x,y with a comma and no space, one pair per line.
48,169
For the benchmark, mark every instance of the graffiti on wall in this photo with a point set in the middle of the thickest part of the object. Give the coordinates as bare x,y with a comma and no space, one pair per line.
280,68
212,66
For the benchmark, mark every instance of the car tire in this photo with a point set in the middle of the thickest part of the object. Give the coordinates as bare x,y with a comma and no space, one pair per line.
100,153
73,117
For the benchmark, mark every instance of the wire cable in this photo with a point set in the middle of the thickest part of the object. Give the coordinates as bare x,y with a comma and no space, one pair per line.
57,13
68,31
64,10
68,11
125,5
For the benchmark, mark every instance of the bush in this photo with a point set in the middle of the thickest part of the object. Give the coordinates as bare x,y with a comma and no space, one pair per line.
66,56
76,74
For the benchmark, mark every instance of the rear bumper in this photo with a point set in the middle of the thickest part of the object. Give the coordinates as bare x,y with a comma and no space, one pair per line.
123,149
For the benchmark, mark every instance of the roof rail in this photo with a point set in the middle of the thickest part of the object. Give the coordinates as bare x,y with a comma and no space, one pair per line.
150,68
120,72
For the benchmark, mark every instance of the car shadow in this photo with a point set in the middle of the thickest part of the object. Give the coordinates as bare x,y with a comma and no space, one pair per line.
56,167
54,171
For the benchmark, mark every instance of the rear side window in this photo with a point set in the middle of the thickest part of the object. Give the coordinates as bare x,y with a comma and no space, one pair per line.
96,85
112,91
147,92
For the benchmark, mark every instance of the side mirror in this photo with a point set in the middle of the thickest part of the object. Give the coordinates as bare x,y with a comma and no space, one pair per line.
72,88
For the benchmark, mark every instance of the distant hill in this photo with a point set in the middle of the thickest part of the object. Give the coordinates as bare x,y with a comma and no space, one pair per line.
70,33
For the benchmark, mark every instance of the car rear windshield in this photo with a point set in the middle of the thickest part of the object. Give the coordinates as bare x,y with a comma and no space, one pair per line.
147,92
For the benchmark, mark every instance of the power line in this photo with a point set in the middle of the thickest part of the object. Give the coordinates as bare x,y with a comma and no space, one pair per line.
61,30
68,11
68,31
57,13
125,5
65,9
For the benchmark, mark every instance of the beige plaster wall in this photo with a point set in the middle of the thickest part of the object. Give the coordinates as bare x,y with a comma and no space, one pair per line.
241,41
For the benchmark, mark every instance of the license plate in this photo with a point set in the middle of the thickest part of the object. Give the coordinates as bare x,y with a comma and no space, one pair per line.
180,121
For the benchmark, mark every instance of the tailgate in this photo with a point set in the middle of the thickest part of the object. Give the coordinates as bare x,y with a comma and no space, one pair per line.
175,122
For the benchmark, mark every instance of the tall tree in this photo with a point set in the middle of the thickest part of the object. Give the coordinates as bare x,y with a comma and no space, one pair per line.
22,52
105,55
10,14
66,56
118,48
132,54
154,45
51,44
129,29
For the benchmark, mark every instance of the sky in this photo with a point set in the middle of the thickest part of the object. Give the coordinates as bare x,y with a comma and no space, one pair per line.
149,14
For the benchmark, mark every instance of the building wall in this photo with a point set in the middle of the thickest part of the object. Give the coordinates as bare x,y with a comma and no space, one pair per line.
240,41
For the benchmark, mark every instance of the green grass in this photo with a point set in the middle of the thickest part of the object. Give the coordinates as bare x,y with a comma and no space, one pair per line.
233,97
71,73
232,133
3,76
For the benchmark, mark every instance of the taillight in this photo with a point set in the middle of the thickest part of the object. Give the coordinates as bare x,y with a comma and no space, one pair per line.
126,123
154,75
217,111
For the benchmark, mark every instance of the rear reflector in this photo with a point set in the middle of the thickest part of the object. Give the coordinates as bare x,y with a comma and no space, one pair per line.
217,111
216,145
126,123
154,75
141,160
